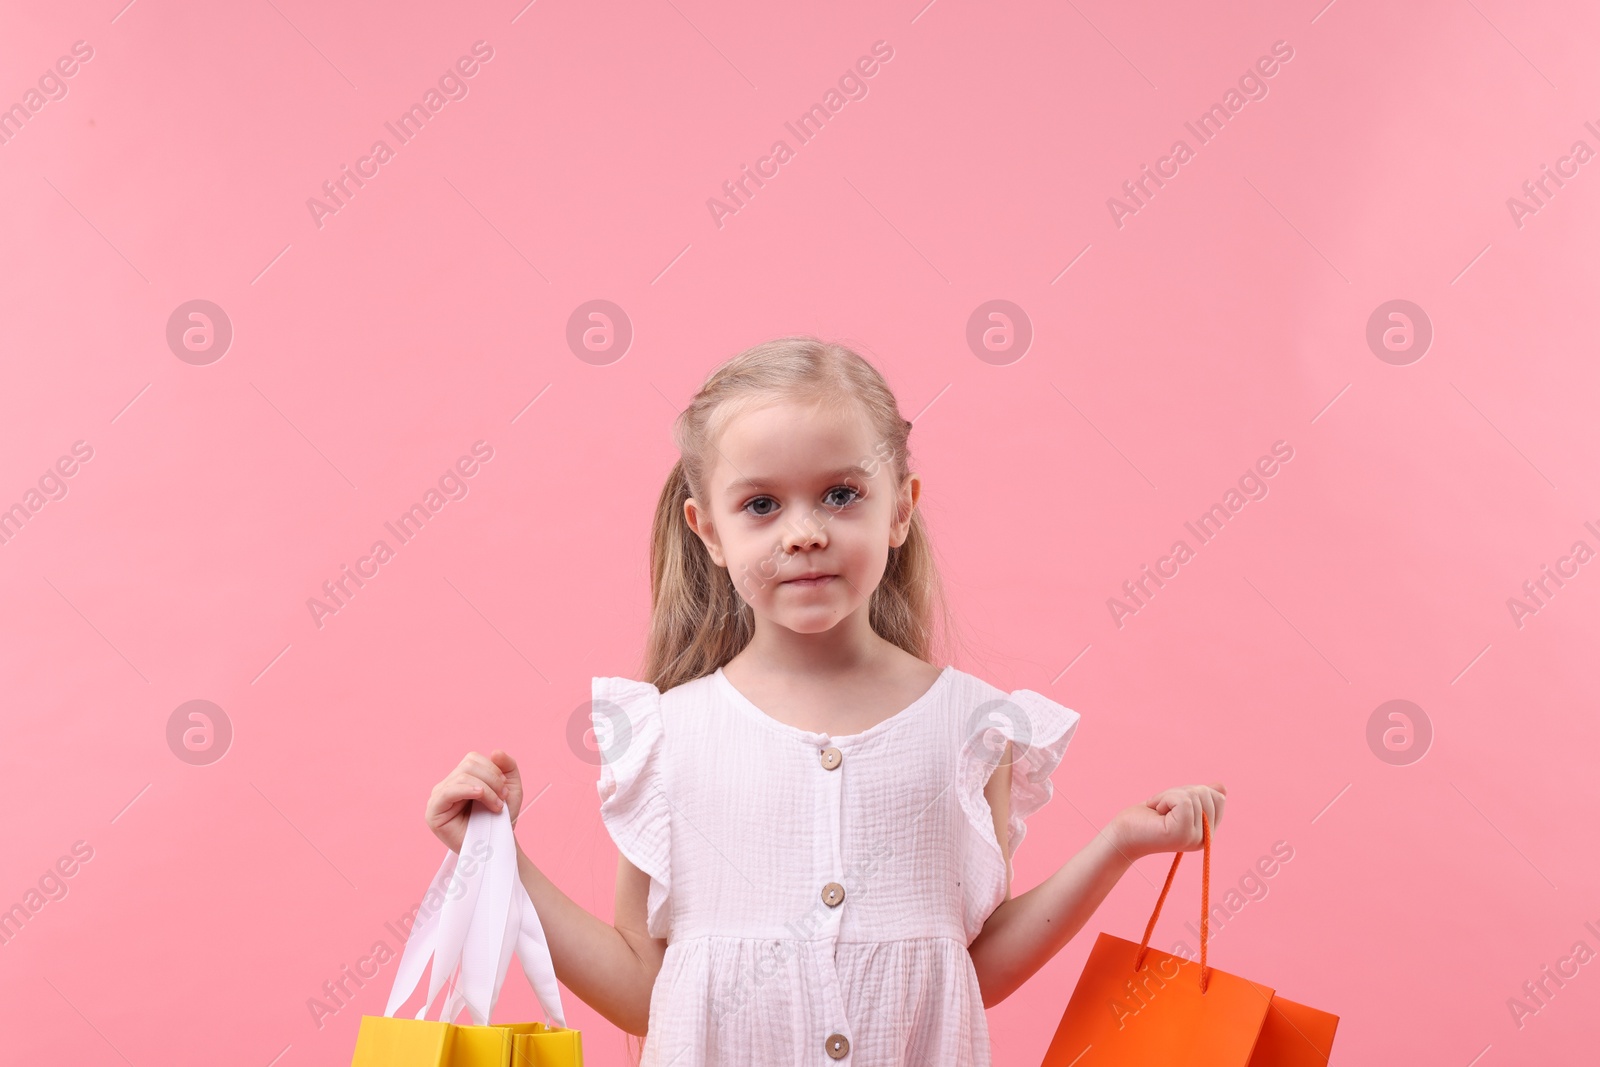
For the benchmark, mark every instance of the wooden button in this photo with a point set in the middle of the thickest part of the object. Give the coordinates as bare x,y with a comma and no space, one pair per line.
837,1046
832,894
831,758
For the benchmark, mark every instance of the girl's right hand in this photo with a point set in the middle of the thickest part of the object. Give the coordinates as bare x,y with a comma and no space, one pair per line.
492,780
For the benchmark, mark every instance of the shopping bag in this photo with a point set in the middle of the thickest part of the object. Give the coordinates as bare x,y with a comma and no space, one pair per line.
476,915
1138,1005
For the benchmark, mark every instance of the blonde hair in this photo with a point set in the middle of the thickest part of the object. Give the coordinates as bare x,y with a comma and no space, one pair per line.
698,622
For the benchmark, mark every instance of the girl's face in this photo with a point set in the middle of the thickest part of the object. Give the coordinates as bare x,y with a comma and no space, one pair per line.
799,490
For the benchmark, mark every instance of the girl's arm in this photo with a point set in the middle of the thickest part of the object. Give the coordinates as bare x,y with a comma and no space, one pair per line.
1025,932
611,968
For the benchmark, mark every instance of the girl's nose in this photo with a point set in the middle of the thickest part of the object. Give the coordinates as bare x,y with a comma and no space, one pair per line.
808,534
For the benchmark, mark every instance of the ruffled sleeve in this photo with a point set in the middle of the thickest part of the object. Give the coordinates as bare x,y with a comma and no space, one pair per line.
1039,730
626,716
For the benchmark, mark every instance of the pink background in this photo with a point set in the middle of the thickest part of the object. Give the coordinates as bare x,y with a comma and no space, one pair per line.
368,354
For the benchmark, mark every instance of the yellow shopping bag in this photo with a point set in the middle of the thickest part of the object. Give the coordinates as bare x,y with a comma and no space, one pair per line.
386,1042
475,916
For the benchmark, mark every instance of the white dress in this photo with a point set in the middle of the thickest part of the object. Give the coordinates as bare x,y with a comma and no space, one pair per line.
818,892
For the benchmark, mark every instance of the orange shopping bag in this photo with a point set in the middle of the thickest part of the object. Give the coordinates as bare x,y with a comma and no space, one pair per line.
1137,1005
475,917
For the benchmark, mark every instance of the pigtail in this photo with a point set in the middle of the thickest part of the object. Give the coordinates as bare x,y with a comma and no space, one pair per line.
697,621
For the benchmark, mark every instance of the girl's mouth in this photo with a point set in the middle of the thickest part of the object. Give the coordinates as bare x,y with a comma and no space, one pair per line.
818,580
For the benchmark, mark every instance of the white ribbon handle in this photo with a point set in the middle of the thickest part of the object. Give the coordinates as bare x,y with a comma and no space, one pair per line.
475,915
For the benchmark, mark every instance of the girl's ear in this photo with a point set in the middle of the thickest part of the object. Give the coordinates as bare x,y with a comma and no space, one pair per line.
700,523
905,504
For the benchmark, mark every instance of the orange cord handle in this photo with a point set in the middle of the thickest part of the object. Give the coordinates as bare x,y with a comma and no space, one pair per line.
1205,904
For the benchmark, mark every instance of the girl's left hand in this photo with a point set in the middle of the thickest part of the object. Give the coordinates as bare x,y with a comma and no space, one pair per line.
1168,821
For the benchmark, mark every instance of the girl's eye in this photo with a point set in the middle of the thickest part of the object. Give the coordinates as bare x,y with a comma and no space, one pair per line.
837,505
855,494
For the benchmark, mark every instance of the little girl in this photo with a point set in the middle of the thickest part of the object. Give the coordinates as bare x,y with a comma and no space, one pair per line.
815,823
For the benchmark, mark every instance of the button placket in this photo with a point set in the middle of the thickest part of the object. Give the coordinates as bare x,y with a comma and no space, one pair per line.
835,1032
830,886
836,1036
